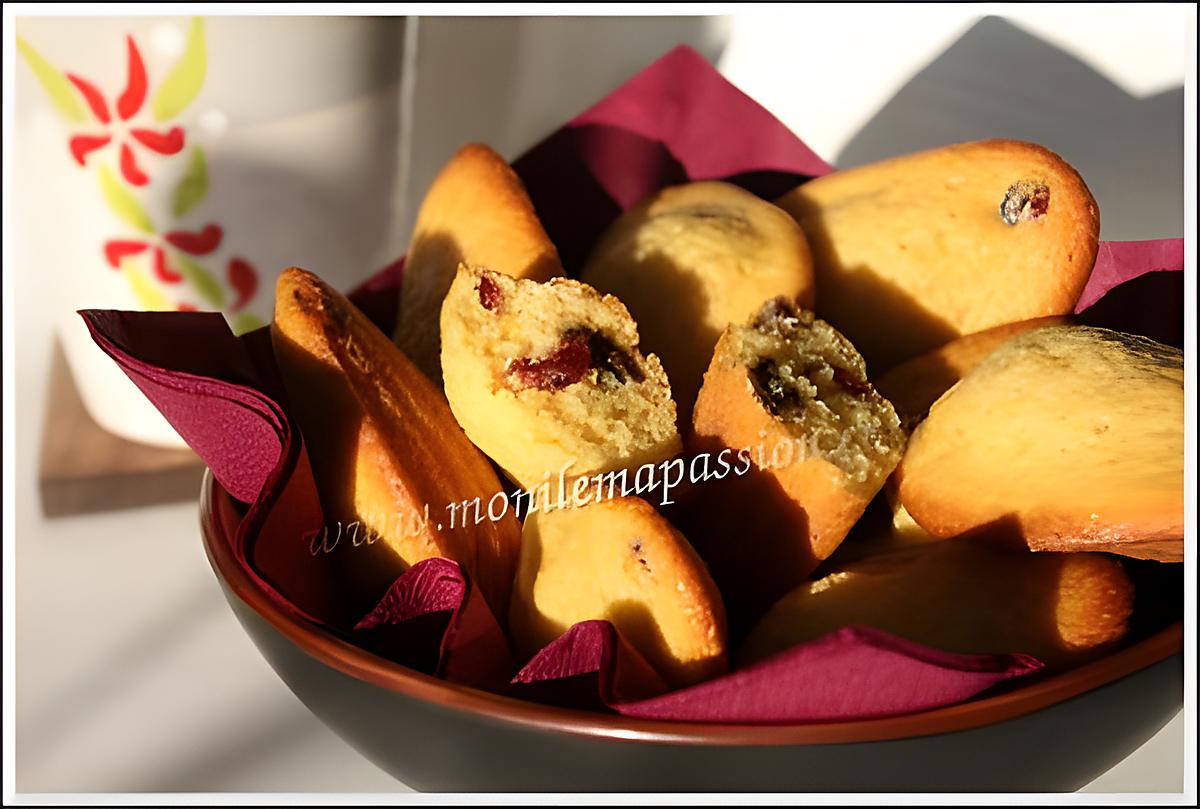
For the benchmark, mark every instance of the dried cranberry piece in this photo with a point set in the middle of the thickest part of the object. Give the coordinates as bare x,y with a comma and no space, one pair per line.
1025,201
782,317
490,296
567,364
848,381
579,352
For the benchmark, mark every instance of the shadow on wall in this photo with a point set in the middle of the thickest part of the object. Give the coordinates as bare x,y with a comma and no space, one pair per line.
998,80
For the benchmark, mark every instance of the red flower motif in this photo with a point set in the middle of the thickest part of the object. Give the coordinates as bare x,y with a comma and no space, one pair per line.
243,278
127,105
199,243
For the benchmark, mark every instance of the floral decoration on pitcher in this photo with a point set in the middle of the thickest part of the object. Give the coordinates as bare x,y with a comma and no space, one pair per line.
111,135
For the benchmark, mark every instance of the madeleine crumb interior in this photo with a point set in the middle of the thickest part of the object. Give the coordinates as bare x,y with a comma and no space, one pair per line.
810,378
549,376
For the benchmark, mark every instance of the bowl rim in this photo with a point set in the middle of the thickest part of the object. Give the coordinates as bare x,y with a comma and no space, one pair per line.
216,509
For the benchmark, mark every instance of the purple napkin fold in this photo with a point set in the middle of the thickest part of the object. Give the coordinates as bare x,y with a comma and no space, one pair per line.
203,380
852,673
1119,262
470,647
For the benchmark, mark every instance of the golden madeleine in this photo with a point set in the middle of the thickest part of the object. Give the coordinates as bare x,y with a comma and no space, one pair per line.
478,212
382,441
1069,437
547,378
913,386
619,560
912,252
786,400
693,258
969,597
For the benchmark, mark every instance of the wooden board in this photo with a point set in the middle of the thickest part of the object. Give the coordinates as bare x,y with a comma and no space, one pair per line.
85,469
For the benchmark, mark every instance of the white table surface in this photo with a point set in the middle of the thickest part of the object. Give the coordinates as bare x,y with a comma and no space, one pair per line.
142,680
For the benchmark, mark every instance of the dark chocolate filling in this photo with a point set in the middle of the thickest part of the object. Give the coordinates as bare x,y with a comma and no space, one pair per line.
615,365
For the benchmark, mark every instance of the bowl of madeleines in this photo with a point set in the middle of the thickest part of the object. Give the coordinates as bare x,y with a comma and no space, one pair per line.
905,430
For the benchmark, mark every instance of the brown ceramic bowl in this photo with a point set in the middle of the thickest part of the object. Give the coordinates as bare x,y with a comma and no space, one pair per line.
1055,734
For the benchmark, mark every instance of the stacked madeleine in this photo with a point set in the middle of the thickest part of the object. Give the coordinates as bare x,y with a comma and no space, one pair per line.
898,333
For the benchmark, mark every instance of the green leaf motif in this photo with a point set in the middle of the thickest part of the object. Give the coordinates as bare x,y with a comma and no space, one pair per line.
186,78
122,202
244,322
202,281
62,93
148,295
193,186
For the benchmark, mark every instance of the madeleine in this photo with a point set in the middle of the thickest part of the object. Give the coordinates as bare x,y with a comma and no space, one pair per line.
548,379
619,560
913,386
690,260
1069,437
967,597
915,251
787,401
478,212
382,441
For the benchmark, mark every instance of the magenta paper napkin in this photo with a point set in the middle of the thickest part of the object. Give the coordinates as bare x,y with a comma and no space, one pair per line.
836,676
678,120
470,647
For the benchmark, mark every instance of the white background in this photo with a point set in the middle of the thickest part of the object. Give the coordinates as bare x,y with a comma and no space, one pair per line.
139,678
